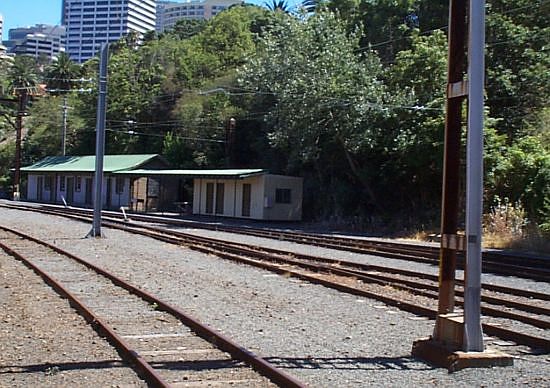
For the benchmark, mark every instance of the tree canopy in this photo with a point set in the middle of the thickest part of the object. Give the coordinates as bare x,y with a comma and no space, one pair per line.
349,94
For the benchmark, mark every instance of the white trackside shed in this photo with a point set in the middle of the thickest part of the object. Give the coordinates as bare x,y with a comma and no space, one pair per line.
142,183
70,179
239,193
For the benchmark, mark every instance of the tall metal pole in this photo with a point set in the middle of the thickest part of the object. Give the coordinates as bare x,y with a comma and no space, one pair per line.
100,141
64,130
451,161
473,335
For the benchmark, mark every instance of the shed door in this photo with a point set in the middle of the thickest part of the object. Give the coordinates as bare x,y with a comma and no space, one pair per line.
70,190
219,197
209,198
88,195
39,188
246,199
109,189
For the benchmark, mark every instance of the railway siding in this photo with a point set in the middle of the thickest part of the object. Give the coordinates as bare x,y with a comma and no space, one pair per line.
45,343
322,336
115,307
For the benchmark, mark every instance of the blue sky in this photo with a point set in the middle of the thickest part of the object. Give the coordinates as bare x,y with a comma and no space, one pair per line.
21,13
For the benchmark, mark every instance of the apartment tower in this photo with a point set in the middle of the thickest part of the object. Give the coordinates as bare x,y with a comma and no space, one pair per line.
91,23
169,12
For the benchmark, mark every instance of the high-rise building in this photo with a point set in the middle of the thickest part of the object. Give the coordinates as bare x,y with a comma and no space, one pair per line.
169,12
37,41
1,26
91,23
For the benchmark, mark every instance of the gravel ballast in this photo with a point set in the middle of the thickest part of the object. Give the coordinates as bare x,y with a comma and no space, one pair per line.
321,336
45,343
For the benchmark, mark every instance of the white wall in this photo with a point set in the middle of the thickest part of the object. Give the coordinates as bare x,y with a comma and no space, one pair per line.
31,188
117,199
263,205
283,211
79,197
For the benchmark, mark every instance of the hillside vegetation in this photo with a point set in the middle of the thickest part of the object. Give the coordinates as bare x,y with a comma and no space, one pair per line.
349,95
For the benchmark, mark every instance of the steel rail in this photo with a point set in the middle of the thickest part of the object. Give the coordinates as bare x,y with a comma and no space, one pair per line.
143,367
528,340
367,268
497,263
209,334
236,255
506,334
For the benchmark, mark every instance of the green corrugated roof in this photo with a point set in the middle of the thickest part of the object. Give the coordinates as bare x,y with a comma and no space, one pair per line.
111,163
221,173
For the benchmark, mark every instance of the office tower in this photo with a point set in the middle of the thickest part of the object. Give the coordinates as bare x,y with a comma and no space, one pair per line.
40,40
91,23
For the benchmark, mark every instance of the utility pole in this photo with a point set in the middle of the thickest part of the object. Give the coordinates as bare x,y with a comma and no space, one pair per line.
100,141
456,91
64,129
22,107
230,143
457,341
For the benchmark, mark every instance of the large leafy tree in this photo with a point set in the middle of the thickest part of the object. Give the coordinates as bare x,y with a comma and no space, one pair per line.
518,63
415,135
328,104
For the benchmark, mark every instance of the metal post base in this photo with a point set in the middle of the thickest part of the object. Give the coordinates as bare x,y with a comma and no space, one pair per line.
445,348
94,233
438,354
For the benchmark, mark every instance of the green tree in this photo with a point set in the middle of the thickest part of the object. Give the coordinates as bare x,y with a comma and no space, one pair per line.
414,144
521,173
518,63
328,104
278,5
187,28
61,75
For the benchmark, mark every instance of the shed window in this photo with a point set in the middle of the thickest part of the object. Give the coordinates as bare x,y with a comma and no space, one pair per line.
78,184
61,183
119,185
282,196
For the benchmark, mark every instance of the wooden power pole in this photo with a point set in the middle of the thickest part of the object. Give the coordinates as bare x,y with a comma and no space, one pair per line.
456,92
21,111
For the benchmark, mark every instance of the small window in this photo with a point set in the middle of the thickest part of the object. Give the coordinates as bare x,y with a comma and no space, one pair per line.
282,196
78,184
119,185
61,183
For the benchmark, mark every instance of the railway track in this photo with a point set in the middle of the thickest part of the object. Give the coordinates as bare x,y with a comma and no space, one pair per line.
165,345
415,294
511,314
493,262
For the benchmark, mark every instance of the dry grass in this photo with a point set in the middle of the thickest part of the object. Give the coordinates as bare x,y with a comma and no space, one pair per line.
504,227
532,240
